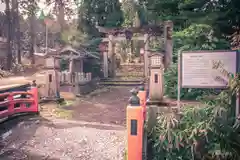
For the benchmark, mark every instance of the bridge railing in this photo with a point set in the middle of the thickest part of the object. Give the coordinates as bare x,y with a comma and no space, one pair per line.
12,103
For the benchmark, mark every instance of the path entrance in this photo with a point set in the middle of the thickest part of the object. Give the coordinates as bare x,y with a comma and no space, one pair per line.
95,131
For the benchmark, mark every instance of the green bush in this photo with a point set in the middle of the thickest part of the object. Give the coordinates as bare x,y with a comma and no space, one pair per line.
200,132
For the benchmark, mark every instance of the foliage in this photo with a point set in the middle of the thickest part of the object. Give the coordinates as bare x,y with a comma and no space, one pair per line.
235,38
106,13
200,132
198,37
73,36
221,15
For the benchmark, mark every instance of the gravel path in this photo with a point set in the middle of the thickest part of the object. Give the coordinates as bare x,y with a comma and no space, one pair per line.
57,139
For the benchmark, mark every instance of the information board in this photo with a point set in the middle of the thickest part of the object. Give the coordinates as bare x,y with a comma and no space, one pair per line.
207,69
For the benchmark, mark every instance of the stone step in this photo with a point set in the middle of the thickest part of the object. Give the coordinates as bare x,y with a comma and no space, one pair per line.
120,83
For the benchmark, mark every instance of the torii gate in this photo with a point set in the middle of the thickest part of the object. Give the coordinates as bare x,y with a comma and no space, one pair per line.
163,30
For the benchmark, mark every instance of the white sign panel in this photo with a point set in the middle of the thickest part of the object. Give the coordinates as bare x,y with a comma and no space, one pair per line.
207,69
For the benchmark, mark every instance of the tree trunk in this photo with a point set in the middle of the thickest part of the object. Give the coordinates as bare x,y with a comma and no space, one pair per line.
14,23
18,39
32,31
61,14
9,49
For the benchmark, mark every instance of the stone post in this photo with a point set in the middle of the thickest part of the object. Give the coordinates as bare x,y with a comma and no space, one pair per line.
146,59
105,64
111,55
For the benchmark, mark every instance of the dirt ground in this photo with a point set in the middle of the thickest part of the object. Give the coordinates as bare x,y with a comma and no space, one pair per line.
94,131
108,107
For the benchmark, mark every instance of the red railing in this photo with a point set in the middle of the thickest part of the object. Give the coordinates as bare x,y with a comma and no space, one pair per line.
18,102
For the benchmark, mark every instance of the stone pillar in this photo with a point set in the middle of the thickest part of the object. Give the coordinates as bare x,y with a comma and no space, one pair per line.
71,65
71,70
111,56
146,59
105,64
168,44
81,65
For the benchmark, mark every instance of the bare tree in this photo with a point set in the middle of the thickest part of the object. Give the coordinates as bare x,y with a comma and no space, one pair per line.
16,30
32,19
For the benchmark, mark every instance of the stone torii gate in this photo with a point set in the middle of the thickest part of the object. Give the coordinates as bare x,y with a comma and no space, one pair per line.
163,30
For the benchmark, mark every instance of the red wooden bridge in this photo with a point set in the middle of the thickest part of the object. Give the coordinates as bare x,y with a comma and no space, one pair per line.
17,99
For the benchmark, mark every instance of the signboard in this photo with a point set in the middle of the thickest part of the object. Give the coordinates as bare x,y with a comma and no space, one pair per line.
207,69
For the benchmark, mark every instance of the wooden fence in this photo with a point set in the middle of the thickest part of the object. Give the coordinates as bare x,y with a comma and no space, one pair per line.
75,77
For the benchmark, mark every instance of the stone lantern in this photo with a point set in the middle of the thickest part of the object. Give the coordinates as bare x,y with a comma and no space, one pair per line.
52,83
156,81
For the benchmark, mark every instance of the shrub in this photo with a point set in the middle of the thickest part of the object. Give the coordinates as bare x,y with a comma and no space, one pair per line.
200,132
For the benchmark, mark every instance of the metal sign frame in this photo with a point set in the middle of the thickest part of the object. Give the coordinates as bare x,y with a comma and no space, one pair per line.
180,74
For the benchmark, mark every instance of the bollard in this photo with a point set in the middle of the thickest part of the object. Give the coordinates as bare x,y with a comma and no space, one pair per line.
34,91
134,127
142,94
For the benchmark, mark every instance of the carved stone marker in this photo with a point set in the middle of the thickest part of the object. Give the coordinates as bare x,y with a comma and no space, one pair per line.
156,82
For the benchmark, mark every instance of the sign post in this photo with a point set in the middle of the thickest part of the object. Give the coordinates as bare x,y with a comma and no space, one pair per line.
179,81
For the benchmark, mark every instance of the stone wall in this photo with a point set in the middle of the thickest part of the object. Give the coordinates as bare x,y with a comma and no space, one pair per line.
75,77
136,67
131,69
